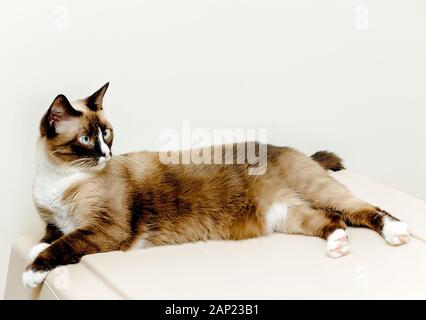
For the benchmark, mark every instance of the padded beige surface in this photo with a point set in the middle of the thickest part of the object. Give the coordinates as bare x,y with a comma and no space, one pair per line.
274,267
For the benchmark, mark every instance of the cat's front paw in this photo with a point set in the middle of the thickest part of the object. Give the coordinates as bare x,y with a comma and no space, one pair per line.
35,250
395,232
337,244
32,278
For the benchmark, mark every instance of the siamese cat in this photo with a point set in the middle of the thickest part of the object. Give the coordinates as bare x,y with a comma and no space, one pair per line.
93,201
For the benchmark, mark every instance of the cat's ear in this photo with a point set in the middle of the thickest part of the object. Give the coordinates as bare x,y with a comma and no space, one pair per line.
94,102
60,111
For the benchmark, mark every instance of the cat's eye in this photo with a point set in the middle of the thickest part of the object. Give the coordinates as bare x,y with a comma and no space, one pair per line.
106,134
84,139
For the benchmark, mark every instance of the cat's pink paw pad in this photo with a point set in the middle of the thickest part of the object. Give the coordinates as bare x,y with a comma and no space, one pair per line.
337,244
395,232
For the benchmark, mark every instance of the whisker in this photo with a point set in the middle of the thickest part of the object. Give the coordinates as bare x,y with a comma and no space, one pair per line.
78,163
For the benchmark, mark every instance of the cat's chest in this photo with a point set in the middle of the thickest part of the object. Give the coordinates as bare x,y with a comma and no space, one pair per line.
48,192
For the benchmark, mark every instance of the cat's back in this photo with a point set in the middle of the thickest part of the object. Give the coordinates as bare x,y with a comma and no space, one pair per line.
153,169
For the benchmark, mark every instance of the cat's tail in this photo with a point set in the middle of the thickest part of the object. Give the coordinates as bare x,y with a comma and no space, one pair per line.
328,160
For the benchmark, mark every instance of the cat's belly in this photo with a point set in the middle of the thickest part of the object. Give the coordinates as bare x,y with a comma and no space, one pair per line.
276,216
252,223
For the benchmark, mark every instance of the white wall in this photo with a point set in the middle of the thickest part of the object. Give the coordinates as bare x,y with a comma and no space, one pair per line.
299,68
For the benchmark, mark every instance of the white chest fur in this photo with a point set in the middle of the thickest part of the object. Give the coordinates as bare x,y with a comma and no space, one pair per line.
49,187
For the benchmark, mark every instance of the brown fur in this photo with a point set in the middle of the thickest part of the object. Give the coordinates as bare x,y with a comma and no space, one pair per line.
51,233
137,197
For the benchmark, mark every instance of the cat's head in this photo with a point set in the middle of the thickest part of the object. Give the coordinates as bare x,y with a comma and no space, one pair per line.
77,134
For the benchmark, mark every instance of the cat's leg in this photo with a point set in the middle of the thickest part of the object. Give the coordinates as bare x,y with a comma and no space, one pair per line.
68,250
51,234
303,219
394,231
329,194
320,189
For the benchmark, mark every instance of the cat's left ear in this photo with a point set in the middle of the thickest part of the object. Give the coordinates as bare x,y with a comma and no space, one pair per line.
94,102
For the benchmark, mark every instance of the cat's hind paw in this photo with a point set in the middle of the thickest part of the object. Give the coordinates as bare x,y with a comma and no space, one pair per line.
337,244
395,232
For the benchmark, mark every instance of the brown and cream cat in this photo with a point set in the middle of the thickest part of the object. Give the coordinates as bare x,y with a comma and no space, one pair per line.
94,202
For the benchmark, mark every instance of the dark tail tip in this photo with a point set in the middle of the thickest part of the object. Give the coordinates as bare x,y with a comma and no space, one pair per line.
328,160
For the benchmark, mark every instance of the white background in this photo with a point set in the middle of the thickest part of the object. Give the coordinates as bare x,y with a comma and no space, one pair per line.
313,73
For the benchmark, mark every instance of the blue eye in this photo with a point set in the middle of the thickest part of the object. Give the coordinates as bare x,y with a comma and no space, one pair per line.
84,139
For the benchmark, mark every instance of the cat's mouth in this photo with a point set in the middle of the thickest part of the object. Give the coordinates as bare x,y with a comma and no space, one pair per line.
104,159
102,162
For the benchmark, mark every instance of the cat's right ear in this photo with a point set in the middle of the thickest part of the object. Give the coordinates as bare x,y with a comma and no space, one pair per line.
60,111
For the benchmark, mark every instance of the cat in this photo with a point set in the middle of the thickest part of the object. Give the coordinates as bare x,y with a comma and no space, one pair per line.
94,202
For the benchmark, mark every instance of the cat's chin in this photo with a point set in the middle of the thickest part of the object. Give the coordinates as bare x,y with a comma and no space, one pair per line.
99,166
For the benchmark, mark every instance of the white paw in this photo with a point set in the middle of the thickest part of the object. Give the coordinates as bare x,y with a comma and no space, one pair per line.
35,250
32,279
395,232
337,244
